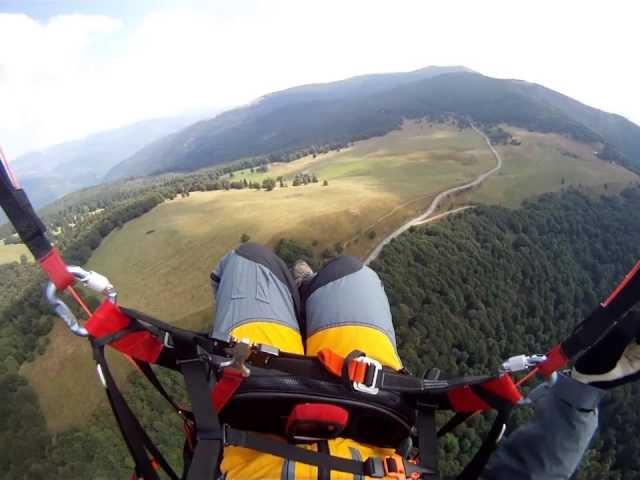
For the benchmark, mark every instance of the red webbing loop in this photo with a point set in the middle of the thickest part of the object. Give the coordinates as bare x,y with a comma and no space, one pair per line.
464,400
55,268
109,319
225,388
556,359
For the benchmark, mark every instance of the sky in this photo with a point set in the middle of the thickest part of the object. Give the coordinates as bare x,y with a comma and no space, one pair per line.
71,68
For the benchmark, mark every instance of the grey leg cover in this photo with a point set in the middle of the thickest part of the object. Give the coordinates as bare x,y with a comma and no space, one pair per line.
253,284
347,293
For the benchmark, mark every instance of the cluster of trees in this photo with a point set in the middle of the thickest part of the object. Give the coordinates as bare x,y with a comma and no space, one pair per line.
304,178
470,291
498,135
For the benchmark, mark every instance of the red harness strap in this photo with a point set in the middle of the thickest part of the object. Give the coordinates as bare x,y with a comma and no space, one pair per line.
464,400
109,319
225,388
56,269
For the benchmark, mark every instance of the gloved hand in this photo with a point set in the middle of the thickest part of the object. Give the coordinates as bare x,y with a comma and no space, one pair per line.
614,360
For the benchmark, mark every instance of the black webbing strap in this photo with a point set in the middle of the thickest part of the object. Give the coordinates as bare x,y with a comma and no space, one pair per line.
603,318
403,383
18,209
209,436
372,467
150,375
265,444
475,467
134,435
428,440
323,472
456,420
589,331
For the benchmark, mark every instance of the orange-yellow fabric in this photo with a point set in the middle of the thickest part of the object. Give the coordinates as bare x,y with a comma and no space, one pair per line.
346,338
269,333
242,464
335,363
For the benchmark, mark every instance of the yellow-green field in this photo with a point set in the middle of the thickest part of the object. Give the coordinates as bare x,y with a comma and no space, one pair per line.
12,253
548,163
161,261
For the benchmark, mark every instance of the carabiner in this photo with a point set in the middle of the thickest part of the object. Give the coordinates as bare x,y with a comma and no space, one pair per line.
93,281
64,312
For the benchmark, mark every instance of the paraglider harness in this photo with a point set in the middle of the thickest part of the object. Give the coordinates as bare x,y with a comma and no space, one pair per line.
311,399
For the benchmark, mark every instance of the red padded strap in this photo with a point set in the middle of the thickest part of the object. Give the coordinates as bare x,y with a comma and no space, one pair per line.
109,319
556,359
56,269
322,418
464,400
225,388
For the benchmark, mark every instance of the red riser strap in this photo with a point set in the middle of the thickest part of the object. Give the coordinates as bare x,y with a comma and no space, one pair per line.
109,319
55,268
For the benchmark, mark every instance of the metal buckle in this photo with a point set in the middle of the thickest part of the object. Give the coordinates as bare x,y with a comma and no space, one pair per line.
377,366
240,353
167,340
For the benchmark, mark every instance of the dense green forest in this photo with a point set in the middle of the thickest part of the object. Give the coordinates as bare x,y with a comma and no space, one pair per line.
475,289
465,293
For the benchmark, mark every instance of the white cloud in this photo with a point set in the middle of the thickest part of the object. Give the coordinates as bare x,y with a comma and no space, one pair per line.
78,74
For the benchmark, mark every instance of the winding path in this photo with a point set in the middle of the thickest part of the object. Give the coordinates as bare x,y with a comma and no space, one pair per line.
424,217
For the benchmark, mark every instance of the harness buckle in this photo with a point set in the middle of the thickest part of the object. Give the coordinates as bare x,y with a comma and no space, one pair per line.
395,466
371,378
392,466
240,353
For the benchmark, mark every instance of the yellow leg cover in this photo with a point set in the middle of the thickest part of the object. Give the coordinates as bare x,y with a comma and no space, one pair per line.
243,464
270,333
345,339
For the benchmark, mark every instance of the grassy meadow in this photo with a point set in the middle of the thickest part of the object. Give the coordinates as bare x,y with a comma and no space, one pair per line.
12,253
160,262
548,163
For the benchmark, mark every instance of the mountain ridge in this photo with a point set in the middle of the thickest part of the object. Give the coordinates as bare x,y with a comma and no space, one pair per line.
361,107
50,173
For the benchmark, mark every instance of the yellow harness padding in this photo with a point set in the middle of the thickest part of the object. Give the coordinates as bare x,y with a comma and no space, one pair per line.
243,464
280,336
345,339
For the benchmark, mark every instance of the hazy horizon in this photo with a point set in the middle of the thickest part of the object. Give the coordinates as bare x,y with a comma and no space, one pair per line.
71,68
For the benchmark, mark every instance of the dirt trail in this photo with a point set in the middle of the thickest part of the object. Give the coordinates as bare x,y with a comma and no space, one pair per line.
424,217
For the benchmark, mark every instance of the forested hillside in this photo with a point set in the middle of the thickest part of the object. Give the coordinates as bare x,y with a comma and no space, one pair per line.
466,293
473,290
281,123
